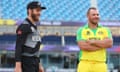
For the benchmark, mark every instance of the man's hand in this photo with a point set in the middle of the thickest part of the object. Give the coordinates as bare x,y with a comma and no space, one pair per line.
18,67
41,69
92,42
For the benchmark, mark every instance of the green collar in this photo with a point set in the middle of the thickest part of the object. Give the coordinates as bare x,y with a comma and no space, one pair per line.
86,26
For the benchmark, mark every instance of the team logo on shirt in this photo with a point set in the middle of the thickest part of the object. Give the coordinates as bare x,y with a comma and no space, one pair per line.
88,33
100,33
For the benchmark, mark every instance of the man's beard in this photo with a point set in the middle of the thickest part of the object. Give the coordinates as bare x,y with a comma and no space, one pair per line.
34,17
95,23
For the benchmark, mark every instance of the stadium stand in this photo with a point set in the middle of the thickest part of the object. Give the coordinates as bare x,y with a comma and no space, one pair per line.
10,22
62,10
1,22
109,10
73,10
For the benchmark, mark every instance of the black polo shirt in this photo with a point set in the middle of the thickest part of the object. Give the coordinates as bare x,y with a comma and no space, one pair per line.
22,32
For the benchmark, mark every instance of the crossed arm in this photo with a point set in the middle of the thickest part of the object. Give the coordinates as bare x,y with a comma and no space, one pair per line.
105,43
93,45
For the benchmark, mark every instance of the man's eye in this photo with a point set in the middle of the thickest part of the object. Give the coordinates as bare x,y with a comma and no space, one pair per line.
97,14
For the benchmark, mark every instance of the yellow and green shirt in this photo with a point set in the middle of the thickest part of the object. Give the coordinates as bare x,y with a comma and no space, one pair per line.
85,33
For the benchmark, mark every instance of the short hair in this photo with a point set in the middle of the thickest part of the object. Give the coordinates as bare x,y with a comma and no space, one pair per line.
91,8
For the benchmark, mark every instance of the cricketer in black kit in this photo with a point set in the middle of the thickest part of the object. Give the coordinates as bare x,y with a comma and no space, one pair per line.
28,41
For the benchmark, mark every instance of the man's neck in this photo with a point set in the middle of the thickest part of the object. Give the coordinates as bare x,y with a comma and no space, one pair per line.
92,26
32,21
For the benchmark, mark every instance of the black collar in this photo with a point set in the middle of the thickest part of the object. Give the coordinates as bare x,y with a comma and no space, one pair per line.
31,24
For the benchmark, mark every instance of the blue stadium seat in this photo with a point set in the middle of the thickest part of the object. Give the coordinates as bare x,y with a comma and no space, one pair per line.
62,10
109,10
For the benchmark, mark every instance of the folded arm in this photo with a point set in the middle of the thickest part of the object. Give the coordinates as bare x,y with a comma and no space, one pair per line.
84,45
105,43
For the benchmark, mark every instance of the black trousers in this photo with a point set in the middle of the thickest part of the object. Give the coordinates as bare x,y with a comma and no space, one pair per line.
30,64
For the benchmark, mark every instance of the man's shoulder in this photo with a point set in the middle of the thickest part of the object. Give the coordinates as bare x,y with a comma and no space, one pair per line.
24,25
106,28
25,22
81,28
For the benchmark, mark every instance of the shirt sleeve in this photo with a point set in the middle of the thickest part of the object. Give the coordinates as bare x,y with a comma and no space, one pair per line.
109,33
79,36
22,31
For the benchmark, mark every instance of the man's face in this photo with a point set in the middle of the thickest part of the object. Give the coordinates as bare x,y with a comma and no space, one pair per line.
35,14
93,16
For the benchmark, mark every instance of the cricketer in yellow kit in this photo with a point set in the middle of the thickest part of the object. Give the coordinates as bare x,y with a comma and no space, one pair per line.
93,39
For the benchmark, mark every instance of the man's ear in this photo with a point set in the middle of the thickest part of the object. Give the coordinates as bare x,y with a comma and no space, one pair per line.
29,11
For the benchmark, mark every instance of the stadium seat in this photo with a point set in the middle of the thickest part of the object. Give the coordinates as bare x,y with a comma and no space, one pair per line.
109,10
2,22
62,10
10,22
